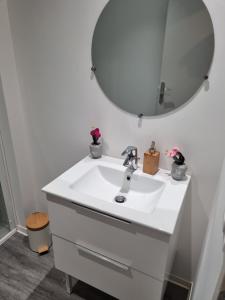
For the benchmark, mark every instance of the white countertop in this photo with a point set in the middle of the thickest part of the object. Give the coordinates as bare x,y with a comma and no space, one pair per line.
164,216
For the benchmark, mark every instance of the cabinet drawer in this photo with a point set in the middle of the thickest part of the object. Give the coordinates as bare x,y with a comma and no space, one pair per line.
142,248
110,276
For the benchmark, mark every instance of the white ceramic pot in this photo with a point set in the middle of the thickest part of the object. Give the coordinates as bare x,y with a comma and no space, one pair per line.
96,150
178,172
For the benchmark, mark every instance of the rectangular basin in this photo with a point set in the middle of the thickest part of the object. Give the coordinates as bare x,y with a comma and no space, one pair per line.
105,183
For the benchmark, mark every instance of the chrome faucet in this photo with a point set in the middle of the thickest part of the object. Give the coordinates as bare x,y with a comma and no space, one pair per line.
131,160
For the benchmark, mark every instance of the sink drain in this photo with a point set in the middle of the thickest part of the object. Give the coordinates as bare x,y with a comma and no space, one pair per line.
120,199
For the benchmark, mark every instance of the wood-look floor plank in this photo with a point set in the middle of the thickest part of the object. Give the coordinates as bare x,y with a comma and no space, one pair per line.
24,275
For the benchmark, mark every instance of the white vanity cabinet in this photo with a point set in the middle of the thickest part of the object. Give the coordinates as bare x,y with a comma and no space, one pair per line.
123,259
125,250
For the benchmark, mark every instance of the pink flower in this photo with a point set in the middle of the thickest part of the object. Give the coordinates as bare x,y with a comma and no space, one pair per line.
96,133
173,152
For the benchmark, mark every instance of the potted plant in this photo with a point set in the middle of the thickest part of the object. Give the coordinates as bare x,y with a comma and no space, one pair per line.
96,145
179,168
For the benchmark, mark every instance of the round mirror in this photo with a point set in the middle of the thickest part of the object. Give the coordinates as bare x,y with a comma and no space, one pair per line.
151,56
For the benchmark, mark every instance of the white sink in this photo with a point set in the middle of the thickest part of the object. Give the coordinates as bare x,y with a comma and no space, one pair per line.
105,183
152,201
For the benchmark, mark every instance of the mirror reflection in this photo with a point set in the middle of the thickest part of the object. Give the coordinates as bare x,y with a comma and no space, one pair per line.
151,56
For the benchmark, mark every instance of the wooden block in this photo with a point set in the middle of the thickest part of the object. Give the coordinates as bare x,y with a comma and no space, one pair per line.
37,221
151,162
42,249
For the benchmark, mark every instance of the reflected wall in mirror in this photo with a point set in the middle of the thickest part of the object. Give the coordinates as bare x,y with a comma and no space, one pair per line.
151,56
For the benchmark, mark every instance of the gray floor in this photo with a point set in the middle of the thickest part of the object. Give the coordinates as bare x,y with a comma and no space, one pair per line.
26,276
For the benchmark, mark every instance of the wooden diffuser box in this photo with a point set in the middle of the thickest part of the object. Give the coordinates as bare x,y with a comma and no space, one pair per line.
151,162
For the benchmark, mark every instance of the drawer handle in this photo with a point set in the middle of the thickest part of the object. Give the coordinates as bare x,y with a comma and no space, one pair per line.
102,257
108,216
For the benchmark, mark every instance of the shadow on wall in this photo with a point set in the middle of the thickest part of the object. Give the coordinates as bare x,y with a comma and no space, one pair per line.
188,8
195,55
191,220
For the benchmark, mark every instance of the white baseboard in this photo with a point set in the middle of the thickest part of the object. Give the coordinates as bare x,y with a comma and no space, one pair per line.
7,236
179,281
22,230
182,283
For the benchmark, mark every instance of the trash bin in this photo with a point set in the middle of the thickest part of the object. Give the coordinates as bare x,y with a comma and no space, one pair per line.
39,236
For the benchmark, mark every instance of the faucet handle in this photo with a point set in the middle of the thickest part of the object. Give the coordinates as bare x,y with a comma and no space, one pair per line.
129,150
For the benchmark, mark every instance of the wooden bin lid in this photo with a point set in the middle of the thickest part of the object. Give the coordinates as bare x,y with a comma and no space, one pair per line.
37,221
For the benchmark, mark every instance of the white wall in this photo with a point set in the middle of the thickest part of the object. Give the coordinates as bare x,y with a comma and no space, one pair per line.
19,161
52,42
212,260
7,211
